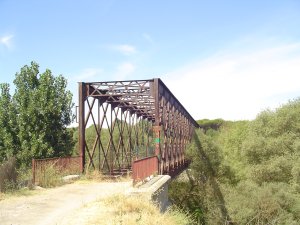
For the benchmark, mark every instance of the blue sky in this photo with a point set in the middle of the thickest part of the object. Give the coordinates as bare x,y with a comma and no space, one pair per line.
228,59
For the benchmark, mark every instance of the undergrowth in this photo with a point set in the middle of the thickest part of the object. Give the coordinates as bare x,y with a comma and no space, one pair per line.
137,210
8,175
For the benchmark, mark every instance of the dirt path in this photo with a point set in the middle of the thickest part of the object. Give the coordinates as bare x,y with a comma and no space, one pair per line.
58,205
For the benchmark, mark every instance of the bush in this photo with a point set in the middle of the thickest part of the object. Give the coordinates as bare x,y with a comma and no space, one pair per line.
245,172
277,169
270,203
8,175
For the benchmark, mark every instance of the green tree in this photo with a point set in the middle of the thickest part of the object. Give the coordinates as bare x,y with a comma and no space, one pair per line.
43,107
272,145
199,192
246,169
8,133
206,124
266,153
230,140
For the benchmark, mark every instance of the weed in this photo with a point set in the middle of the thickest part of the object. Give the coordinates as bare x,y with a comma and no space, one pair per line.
50,176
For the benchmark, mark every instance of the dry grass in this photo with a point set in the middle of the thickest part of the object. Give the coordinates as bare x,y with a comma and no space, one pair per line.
2,196
49,177
91,176
8,175
125,210
95,175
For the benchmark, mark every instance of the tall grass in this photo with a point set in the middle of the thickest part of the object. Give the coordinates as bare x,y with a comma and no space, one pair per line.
128,210
50,176
50,172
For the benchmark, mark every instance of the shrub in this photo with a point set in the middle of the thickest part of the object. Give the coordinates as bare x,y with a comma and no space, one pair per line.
271,203
8,175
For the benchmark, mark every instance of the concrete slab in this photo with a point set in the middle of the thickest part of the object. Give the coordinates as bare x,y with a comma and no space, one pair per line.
155,190
70,178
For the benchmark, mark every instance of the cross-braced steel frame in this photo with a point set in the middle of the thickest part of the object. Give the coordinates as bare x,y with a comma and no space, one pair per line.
131,120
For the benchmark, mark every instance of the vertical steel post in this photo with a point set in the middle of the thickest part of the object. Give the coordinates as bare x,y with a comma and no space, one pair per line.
156,127
98,134
82,98
111,141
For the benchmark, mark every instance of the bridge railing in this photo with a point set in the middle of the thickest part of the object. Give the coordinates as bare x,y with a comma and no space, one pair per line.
61,164
143,168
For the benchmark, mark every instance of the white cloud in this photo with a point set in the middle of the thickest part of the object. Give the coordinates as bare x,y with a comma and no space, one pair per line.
124,70
6,40
124,49
89,75
96,75
238,85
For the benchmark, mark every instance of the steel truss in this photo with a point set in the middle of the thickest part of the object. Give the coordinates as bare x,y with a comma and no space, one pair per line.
132,119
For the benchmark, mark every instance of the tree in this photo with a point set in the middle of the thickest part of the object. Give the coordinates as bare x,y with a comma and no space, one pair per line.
199,192
266,154
43,107
272,146
206,124
8,132
248,170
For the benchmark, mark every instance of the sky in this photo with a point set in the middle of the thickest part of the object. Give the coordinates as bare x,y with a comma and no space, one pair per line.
221,59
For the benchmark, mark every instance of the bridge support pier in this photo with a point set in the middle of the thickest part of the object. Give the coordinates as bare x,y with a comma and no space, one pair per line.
155,190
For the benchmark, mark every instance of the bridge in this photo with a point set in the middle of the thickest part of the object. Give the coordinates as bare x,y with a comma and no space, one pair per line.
138,125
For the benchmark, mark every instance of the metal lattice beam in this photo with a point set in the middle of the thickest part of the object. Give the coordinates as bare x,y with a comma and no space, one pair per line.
132,119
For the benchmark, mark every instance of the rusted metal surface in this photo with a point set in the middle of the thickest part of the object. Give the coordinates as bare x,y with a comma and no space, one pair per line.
82,98
62,164
130,120
144,168
177,130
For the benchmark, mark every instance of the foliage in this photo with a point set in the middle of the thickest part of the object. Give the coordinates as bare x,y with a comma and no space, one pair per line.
255,166
9,142
230,140
269,203
207,124
269,152
201,194
271,147
33,121
8,175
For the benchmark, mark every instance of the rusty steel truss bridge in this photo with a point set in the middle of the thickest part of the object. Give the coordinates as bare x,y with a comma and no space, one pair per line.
132,120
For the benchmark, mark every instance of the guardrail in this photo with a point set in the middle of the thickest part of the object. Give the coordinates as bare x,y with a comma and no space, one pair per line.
143,168
62,164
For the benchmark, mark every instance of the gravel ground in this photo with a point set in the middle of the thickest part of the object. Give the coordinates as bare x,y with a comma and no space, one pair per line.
61,205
